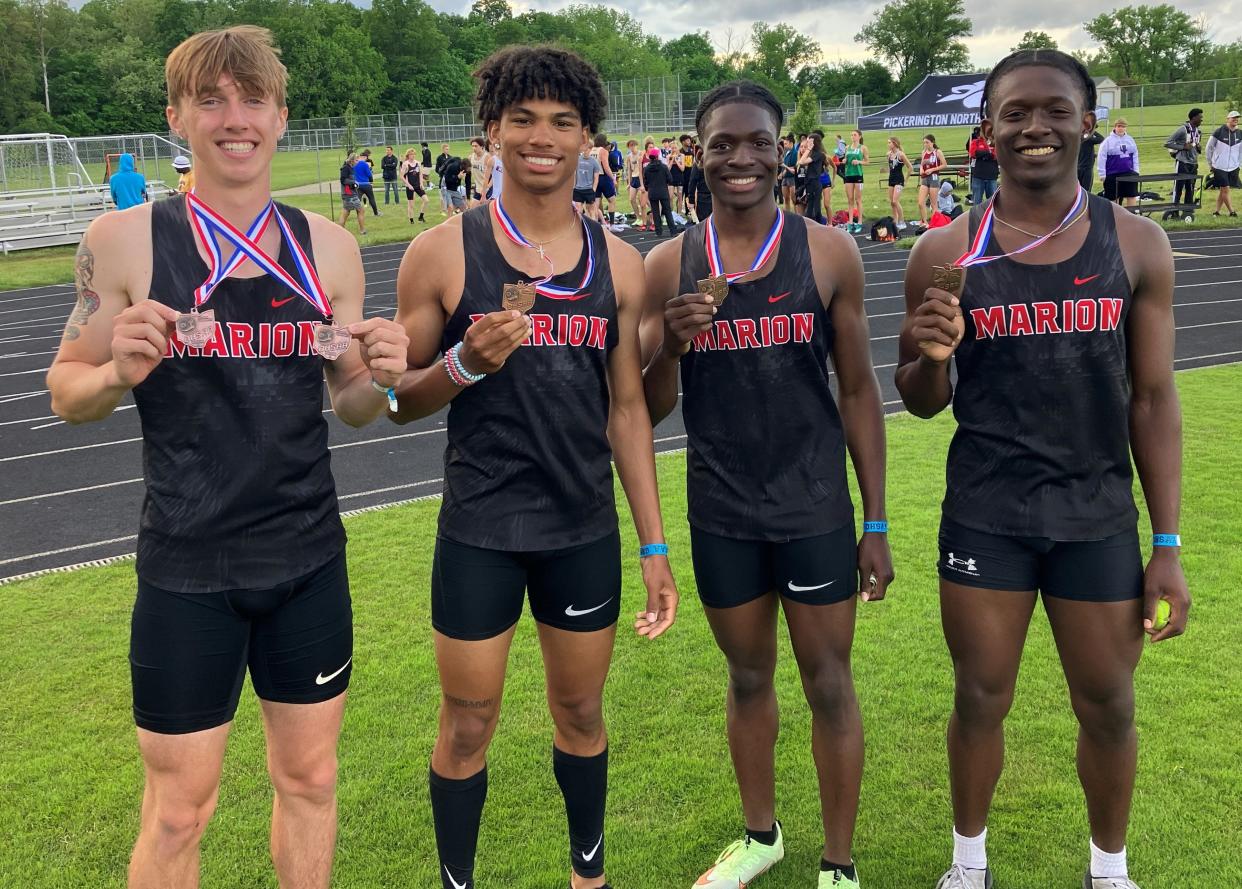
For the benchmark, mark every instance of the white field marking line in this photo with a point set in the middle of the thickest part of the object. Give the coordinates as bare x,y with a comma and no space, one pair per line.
34,308
18,396
27,354
1209,324
355,444
124,407
17,299
48,425
31,339
18,373
1214,268
1208,302
82,490
101,444
430,481
1205,357
57,321
63,569
68,549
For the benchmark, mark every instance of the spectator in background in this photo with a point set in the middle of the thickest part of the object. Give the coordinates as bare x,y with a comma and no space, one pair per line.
1086,158
1184,148
455,195
185,175
443,159
1119,157
606,187
931,162
698,195
814,160
411,173
898,163
789,171
634,176
1224,156
364,175
946,203
128,186
388,169
427,165
351,200
586,182
984,170
655,177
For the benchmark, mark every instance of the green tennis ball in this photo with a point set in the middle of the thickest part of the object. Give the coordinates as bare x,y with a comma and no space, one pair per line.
1162,614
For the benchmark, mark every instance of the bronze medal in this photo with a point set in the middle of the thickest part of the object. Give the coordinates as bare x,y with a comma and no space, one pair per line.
196,328
717,288
332,340
949,278
518,297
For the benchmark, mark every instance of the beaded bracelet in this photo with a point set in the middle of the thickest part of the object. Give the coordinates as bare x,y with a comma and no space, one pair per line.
459,381
461,368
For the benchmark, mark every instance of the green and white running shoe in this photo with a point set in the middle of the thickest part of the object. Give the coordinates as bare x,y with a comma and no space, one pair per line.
958,877
1090,882
742,862
834,879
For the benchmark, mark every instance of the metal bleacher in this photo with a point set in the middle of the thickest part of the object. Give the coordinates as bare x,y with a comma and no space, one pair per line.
49,217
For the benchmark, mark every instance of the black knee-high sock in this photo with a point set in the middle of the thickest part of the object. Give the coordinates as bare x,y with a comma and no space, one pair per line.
456,807
584,784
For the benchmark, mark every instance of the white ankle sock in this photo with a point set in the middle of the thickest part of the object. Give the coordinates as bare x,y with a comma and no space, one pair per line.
1108,864
971,852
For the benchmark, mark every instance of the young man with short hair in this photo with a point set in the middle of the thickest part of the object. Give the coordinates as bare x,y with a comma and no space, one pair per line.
364,175
388,170
241,551
1224,157
524,316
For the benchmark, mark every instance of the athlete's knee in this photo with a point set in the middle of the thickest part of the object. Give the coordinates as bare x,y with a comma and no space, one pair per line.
751,682
980,702
467,727
579,717
309,780
1105,711
177,823
830,693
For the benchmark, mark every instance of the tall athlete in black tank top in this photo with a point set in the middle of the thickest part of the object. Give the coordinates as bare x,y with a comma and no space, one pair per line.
770,515
1064,361
241,560
544,391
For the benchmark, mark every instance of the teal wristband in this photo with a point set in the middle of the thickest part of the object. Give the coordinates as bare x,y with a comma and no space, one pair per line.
880,527
652,549
1166,540
388,391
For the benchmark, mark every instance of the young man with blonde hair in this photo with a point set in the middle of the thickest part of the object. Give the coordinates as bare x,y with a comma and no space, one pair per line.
210,309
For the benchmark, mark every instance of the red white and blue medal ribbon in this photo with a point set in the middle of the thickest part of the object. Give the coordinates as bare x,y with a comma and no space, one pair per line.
207,222
542,286
765,250
978,247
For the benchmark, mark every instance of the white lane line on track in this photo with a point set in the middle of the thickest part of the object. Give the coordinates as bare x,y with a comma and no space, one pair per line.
18,396
1205,357
128,481
18,373
1209,324
48,425
67,549
430,481
5,300
101,444
124,407
26,354
355,444
36,308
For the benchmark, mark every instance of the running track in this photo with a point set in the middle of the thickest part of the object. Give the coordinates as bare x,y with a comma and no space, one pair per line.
71,494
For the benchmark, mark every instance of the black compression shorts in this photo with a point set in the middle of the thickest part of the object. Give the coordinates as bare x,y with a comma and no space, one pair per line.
1107,570
188,652
818,570
477,593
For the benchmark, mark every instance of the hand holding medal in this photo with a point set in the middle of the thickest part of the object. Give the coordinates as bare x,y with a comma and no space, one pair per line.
490,341
139,337
383,345
939,323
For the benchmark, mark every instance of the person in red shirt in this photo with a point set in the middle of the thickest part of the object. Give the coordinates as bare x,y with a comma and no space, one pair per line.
984,170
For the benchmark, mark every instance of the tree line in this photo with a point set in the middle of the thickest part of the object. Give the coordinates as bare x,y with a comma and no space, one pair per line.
99,69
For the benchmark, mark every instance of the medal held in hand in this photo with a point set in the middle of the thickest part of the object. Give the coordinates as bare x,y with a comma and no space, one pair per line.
332,340
195,328
949,278
518,297
716,287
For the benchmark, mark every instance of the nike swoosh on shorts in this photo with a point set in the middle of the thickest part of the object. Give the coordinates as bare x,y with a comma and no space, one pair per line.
794,588
324,680
570,611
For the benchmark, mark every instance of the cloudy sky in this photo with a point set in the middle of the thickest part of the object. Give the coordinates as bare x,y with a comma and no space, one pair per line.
998,24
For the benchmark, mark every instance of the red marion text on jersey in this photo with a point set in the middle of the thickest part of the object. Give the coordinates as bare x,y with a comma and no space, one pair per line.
757,333
1068,316
564,330
239,340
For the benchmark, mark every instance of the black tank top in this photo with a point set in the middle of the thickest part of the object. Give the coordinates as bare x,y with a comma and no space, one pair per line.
235,446
766,453
1042,447
528,465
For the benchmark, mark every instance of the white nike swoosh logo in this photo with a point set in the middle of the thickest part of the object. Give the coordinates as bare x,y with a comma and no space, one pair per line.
456,885
794,588
587,856
573,612
324,680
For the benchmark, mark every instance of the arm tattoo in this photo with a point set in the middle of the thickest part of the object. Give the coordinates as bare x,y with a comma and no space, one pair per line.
468,704
88,299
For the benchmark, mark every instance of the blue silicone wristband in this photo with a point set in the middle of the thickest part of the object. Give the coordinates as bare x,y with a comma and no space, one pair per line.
1166,540
880,527
652,549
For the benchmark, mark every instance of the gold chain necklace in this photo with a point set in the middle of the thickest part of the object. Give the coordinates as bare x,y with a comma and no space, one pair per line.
539,245
1059,230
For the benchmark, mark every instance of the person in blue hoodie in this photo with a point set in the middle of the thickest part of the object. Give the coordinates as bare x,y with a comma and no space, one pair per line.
128,186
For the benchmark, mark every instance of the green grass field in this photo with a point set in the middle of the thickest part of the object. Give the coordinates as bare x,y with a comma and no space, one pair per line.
292,169
71,783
